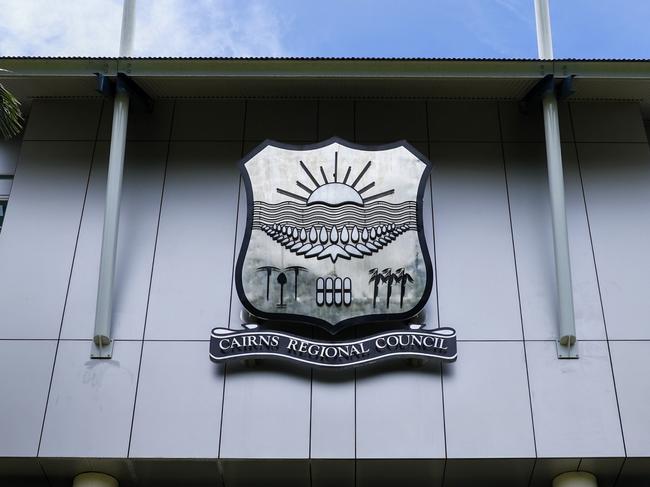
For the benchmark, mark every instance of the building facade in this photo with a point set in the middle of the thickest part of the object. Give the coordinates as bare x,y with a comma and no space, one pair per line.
508,412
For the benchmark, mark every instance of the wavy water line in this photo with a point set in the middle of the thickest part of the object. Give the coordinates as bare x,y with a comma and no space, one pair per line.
335,217
368,207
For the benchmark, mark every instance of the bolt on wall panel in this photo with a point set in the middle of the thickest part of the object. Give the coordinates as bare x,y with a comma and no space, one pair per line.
140,205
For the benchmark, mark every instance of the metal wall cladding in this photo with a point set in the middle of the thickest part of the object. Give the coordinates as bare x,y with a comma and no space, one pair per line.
487,225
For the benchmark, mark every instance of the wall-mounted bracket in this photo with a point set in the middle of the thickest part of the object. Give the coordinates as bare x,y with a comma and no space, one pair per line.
104,351
123,84
566,89
567,351
563,90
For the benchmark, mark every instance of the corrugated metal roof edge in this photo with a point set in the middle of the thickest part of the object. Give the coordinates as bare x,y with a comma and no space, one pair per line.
263,58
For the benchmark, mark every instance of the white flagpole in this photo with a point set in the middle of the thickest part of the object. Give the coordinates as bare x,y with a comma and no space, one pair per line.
102,346
566,316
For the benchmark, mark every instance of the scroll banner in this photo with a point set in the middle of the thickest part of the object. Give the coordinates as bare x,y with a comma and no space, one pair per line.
226,344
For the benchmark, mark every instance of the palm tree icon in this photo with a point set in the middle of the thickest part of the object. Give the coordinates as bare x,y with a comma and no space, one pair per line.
388,277
375,278
403,278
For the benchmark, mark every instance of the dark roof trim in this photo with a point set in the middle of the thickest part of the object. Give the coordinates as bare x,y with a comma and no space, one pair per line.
327,58
333,68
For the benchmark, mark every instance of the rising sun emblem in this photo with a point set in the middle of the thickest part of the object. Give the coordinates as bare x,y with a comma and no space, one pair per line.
334,219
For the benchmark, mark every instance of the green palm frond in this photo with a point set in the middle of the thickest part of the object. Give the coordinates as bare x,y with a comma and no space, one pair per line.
11,118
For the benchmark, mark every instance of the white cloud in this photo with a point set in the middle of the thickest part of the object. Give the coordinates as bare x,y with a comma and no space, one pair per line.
163,28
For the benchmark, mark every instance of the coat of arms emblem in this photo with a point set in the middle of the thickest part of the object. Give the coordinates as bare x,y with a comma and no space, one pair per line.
334,236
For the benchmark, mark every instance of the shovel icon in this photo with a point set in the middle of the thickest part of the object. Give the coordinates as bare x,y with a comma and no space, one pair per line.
282,280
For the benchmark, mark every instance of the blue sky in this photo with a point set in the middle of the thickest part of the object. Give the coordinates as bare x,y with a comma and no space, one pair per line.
417,28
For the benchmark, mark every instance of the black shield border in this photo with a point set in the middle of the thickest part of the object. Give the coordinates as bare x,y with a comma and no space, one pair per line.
358,320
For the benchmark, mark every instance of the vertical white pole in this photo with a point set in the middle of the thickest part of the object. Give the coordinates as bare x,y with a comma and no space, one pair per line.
556,185
128,28
104,310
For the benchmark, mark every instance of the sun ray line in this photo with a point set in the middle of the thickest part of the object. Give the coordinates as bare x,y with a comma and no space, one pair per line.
291,195
336,165
366,188
363,171
302,186
311,176
322,172
347,175
378,195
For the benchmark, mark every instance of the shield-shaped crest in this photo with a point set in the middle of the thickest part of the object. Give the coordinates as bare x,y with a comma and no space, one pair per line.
334,233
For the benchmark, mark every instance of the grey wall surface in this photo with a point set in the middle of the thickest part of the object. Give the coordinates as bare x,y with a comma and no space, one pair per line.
507,410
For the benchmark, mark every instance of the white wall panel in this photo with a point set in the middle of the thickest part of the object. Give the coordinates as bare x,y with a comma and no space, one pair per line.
143,124
208,120
25,371
533,234
266,411
477,286
607,122
574,403
178,404
332,413
528,125
192,274
140,206
451,121
9,152
5,187
382,122
39,234
336,118
631,363
90,408
399,411
63,120
393,472
617,181
500,472
487,407
282,120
